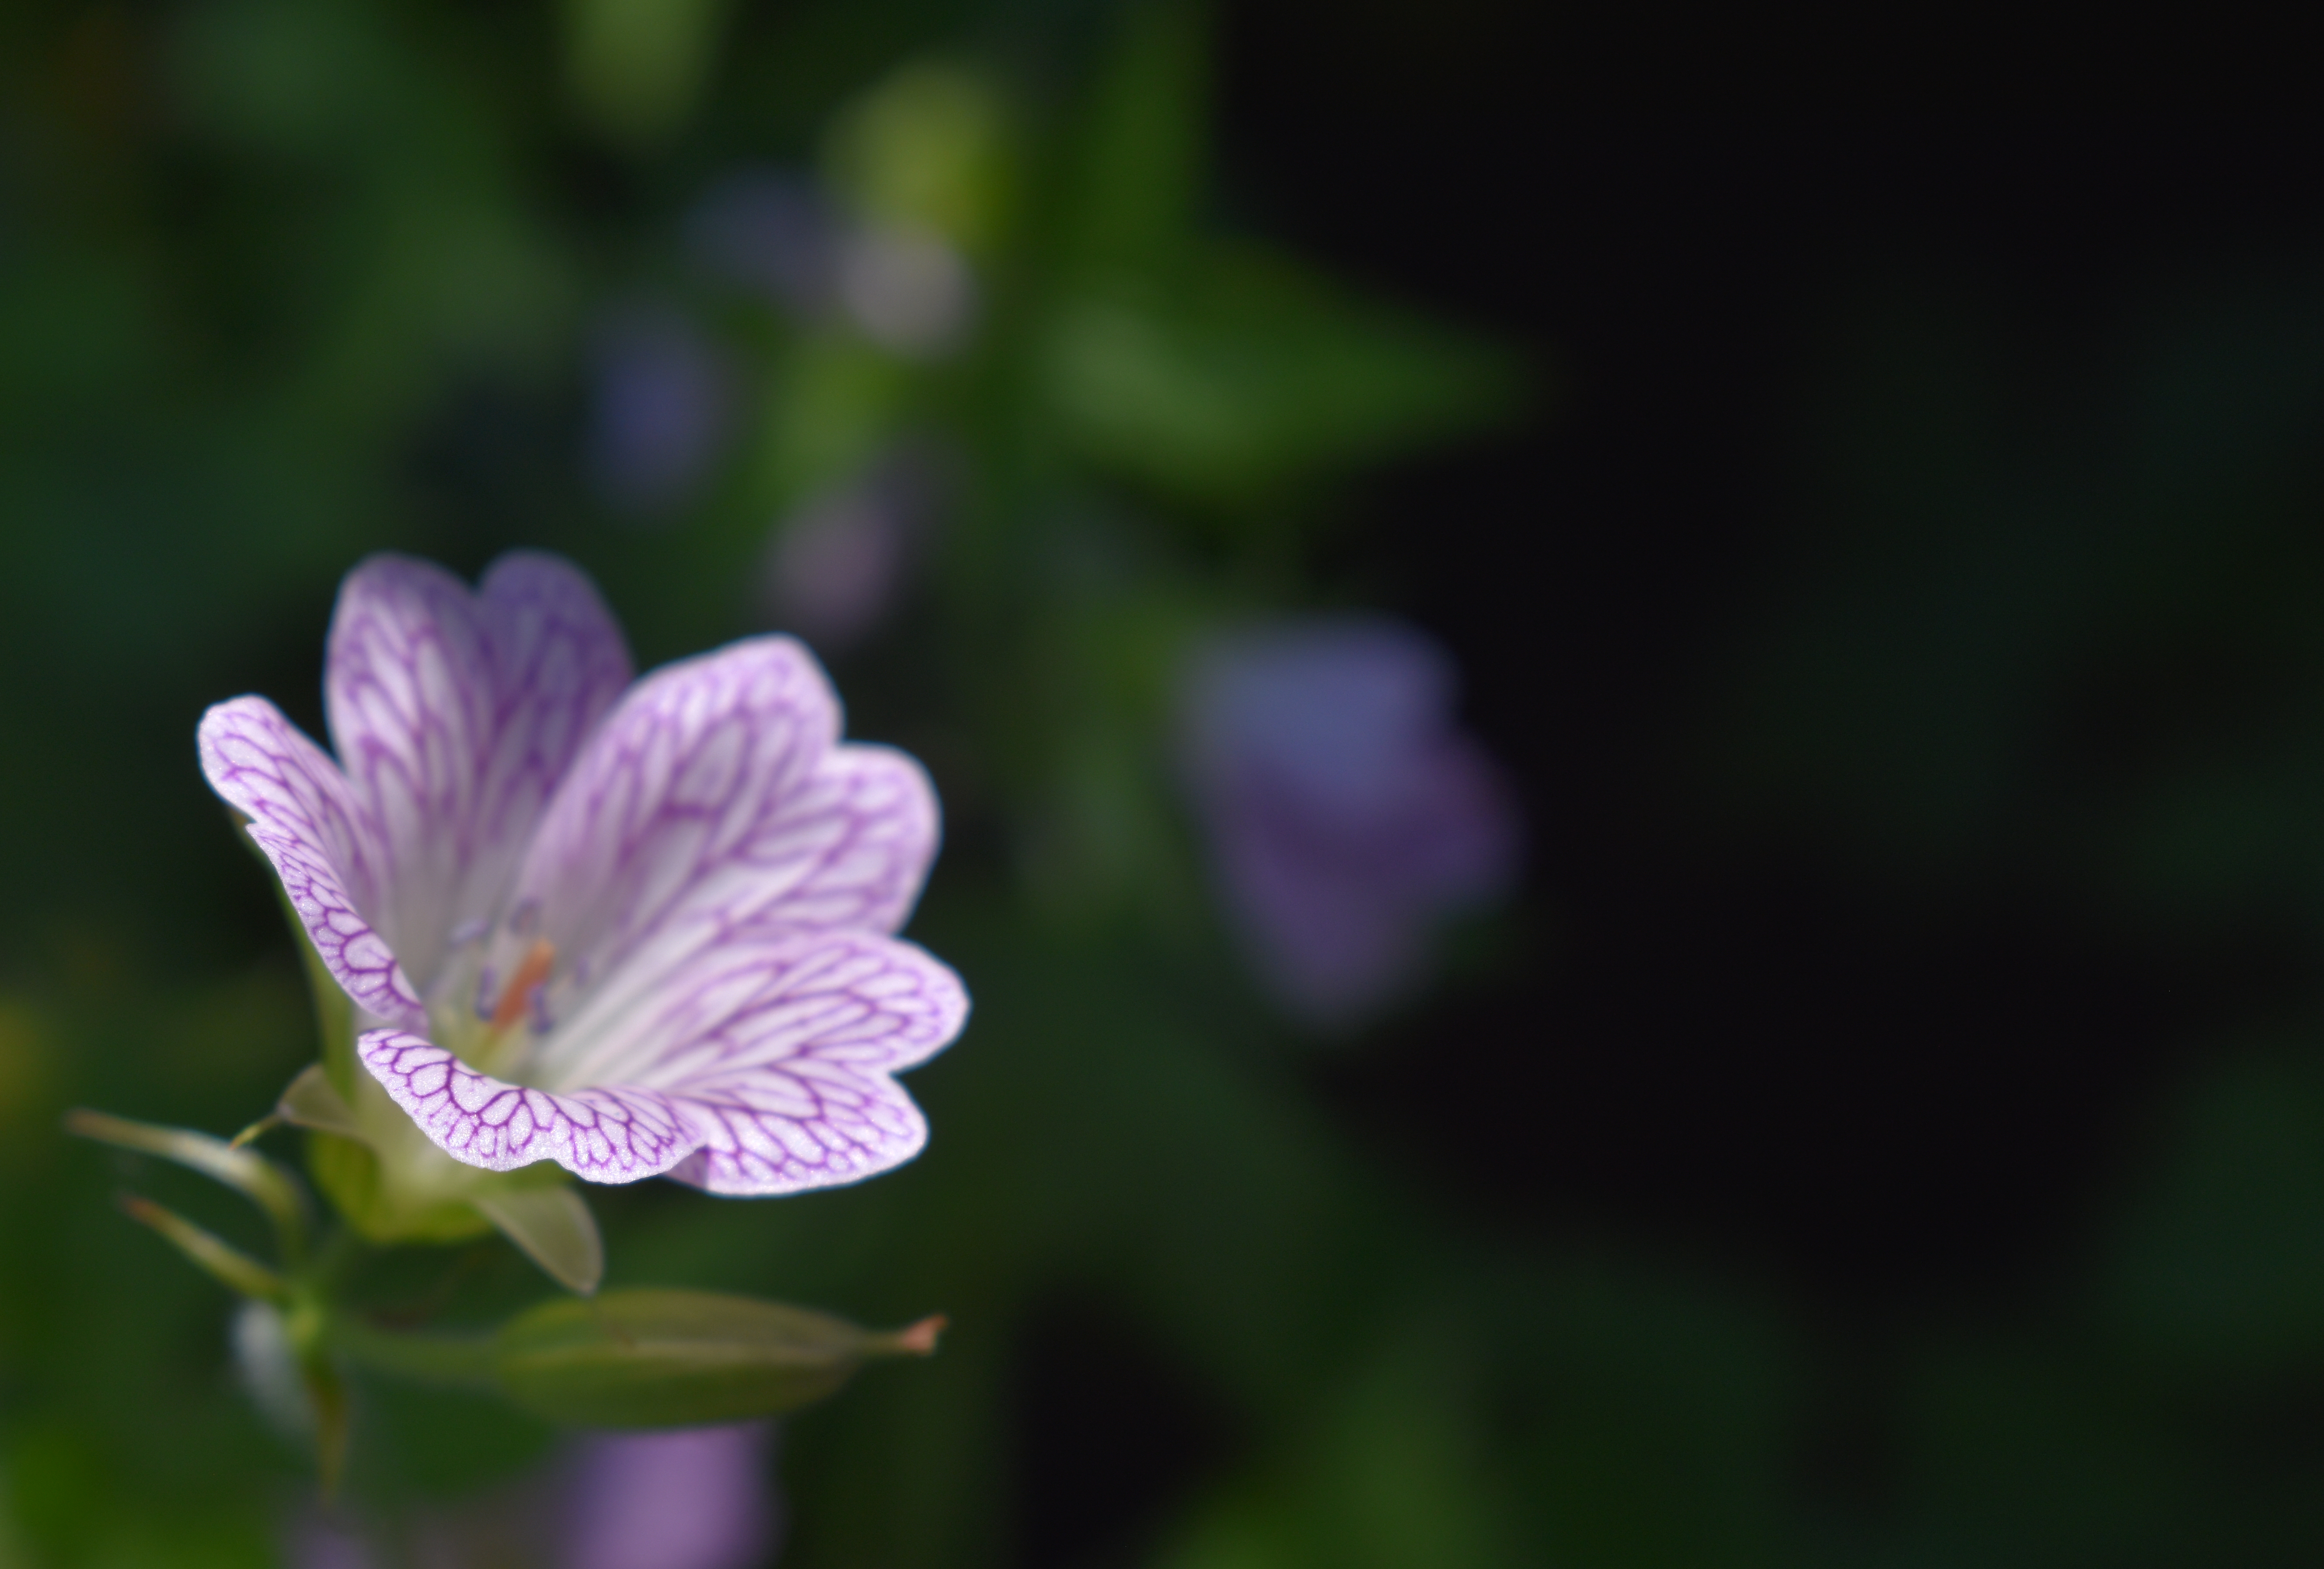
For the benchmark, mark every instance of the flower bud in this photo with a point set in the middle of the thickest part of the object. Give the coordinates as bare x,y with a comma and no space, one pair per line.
673,1358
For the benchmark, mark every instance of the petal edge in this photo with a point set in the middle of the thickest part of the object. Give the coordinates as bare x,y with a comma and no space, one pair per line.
614,1134
303,817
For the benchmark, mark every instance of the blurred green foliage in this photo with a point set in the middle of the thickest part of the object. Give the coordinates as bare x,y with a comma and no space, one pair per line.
281,283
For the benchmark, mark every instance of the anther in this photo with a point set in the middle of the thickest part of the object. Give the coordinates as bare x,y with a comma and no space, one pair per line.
539,960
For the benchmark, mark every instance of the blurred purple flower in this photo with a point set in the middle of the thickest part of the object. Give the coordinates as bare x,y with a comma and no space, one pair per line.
693,1498
834,569
779,234
769,231
319,1541
660,410
1345,810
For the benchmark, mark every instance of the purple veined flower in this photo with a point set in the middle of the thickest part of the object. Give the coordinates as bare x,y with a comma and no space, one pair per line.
834,570
1345,811
660,407
636,929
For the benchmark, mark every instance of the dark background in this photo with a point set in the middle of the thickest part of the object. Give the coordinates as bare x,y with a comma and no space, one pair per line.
1886,1126
1751,1034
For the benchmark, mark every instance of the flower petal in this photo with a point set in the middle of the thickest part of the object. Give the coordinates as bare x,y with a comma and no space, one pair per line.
792,1089
766,1069
716,801
303,815
616,1134
455,714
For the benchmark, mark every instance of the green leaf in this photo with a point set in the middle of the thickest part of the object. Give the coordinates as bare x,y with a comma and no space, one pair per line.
838,402
1144,150
637,67
926,150
2215,1265
1255,376
669,1359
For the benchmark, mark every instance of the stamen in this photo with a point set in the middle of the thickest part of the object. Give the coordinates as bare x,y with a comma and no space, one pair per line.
539,960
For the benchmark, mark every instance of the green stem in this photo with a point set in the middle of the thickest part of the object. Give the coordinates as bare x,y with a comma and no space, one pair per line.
461,1360
331,1263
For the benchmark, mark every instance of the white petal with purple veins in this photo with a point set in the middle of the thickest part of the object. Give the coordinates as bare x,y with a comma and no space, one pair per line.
767,1061
794,1090
607,1134
303,815
716,798
454,714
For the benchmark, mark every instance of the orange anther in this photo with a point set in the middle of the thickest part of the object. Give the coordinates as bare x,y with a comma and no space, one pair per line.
539,960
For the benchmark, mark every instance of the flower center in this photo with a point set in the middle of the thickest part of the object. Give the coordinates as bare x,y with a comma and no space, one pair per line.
523,994
479,1017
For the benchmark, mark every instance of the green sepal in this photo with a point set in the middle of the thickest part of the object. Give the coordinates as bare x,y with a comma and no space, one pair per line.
248,1173
220,1260
393,1184
674,1358
377,1167
552,1226
311,1101
348,1172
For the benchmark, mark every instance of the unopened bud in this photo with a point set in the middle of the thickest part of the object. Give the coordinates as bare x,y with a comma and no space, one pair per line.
672,1358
